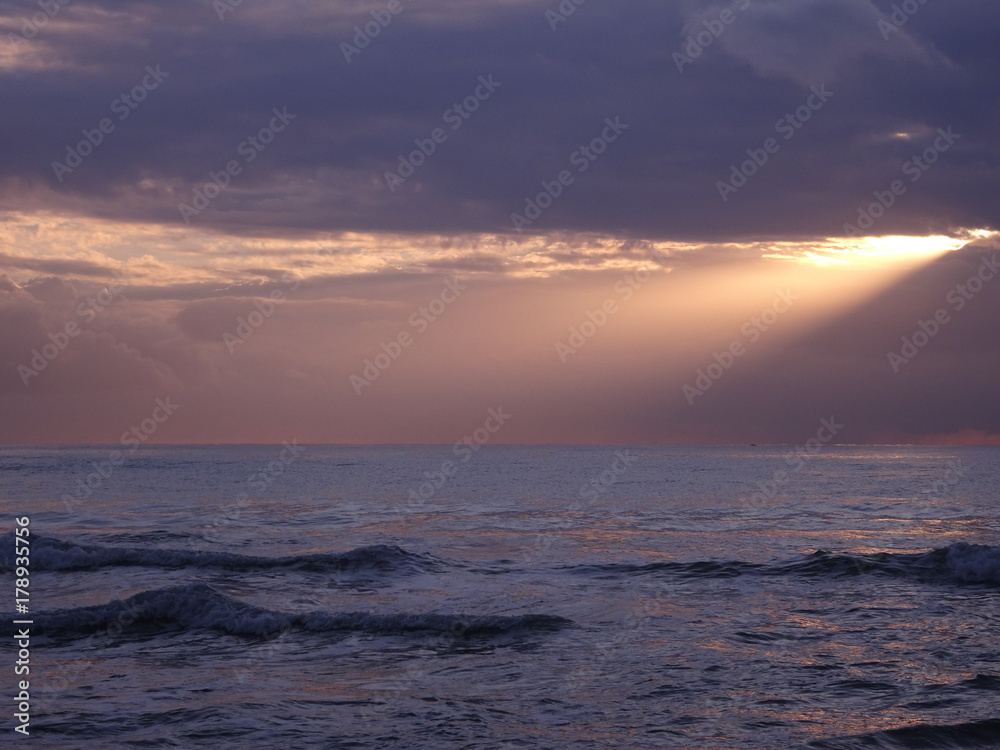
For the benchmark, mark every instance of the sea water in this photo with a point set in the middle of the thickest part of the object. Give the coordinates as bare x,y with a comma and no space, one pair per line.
507,597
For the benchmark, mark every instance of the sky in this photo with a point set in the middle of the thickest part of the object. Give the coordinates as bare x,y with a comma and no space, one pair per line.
610,222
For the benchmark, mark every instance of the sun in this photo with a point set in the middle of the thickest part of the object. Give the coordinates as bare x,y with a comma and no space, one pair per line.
890,249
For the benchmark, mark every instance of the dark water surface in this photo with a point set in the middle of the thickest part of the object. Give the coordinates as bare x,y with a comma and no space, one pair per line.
333,597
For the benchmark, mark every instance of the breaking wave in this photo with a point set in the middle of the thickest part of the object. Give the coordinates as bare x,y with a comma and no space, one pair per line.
959,562
50,554
200,606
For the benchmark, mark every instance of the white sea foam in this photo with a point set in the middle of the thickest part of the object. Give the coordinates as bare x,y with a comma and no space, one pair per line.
974,563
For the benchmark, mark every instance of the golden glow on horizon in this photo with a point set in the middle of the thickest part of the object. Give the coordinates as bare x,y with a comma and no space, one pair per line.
902,246
868,250
170,254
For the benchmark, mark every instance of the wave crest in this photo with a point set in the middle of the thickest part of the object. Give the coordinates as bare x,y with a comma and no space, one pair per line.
50,554
200,606
960,563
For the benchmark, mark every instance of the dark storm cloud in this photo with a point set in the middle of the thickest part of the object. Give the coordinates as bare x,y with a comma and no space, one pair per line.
325,169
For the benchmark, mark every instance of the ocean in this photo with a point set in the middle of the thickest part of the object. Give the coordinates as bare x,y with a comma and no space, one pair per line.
504,597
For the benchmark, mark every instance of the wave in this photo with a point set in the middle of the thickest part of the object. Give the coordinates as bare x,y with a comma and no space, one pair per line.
50,554
977,734
959,562
200,606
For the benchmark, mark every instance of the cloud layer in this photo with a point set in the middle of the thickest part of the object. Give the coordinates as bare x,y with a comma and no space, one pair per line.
598,356
249,208
354,120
